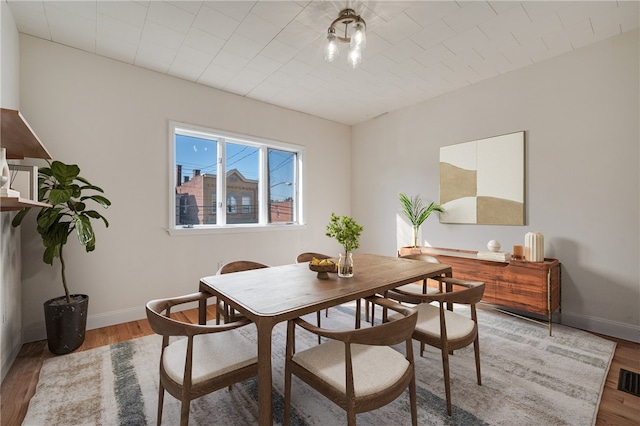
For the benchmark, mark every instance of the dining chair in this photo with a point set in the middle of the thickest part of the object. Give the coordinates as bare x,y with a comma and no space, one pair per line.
445,329
408,290
228,268
356,369
207,358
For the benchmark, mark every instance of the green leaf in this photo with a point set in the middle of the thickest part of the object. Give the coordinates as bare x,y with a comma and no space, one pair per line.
345,230
59,196
104,202
84,230
51,253
17,219
94,214
64,173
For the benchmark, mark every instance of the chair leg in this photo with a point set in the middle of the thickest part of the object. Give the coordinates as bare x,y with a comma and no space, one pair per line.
160,402
184,413
318,316
413,401
351,416
447,382
476,349
287,395
326,313
421,349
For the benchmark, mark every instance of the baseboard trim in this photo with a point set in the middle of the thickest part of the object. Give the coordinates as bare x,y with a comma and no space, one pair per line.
602,326
583,322
38,331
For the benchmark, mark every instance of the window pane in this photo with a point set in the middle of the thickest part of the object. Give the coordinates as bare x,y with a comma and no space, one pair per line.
196,171
281,186
242,183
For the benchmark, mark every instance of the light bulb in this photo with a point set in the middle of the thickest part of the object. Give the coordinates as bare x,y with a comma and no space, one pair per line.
331,50
355,57
358,36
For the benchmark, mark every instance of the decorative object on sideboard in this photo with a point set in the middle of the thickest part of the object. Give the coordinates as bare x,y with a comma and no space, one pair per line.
414,210
534,247
494,245
518,252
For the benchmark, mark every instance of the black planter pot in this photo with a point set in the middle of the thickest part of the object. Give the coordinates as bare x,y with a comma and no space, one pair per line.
66,323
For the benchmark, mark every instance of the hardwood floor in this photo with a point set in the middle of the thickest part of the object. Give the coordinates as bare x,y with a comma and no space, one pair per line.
616,408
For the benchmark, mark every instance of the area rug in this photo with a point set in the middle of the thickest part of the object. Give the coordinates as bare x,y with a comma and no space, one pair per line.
528,378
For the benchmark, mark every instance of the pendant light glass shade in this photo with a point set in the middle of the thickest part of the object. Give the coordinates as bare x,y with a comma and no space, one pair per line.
331,50
355,57
358,36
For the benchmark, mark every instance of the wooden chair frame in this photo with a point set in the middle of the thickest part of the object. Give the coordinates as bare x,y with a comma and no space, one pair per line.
470,295
229,314
386,334
159,316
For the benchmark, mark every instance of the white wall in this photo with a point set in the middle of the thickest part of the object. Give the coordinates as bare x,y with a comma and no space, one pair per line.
580,113
10,306
112,119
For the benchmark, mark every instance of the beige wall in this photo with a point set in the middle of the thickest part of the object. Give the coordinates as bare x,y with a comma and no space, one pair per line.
10,288
112,120
580,114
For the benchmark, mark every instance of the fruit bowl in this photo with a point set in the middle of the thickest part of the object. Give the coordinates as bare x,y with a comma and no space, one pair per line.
323,270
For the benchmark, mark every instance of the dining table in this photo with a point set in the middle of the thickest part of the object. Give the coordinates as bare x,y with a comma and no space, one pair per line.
272,295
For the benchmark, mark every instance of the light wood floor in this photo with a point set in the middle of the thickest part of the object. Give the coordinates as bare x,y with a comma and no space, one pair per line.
616,408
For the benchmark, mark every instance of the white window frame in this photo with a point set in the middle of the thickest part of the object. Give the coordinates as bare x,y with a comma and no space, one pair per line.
221,226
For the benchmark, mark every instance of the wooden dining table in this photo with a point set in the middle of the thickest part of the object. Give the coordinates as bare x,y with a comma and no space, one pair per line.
271,295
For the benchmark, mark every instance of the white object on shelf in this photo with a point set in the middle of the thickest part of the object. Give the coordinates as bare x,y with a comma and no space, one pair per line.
494,245
498,256
534,247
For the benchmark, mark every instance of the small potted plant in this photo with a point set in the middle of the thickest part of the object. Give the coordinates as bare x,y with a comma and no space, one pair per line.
68,194
347,232
415,210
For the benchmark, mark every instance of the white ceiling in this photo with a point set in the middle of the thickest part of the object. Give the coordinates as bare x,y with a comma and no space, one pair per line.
272,50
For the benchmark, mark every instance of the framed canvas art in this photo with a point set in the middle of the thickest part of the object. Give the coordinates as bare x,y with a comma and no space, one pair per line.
482,181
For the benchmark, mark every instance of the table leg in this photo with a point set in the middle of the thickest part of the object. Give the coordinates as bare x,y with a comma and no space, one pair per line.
265,405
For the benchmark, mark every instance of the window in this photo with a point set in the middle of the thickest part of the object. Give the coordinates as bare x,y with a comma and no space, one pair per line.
260,185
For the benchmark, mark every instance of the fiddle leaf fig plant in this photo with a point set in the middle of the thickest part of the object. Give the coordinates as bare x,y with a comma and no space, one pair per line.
346,231
415,210
69,194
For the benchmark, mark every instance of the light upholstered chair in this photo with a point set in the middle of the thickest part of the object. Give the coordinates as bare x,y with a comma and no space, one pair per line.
210,357
447,330
408,290
228,268
356,369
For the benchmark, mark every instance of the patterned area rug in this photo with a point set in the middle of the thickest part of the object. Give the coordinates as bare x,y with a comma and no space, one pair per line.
528,378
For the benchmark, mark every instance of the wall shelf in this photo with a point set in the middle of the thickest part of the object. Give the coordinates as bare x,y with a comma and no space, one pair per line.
19,203
20,142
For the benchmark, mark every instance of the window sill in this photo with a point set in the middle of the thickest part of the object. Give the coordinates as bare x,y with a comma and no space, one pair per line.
234,229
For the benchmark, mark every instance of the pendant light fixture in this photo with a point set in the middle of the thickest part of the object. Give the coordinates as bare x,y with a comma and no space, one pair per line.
347,28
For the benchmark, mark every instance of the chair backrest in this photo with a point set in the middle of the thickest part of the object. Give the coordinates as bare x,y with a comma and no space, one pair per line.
240,265
308,256
159,316
387,333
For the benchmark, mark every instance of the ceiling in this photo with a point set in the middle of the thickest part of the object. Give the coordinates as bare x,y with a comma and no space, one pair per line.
271,51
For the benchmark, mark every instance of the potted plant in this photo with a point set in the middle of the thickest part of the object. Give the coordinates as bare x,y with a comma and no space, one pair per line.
415,210
61,186
347,232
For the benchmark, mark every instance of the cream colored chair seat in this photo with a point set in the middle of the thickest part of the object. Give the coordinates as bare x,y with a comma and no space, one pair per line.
458,326
375,368
213,355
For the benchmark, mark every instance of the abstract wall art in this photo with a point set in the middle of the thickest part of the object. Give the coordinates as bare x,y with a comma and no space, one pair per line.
482,181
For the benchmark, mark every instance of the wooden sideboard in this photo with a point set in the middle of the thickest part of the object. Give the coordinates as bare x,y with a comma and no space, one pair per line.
526,286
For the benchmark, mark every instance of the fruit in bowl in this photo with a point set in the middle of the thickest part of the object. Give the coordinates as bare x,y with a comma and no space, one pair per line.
322,266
